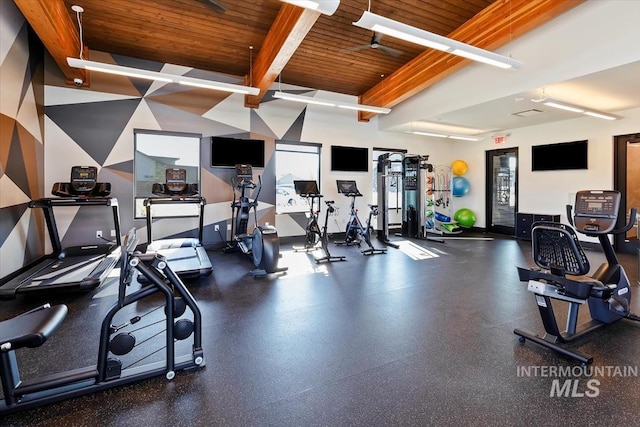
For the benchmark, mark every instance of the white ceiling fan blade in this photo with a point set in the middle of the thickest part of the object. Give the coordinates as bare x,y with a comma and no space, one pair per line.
355,49
390,51
217,6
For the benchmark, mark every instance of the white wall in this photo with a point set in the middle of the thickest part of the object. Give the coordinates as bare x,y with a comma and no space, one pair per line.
548,192
594,36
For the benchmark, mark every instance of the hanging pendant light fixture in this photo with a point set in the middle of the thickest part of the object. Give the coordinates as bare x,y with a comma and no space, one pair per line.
380,24
140,73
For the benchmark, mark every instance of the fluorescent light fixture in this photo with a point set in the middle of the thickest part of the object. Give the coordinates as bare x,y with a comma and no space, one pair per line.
440,135
562,107
462,138
368,108
574,108
330,103
599,115
305,99
118,70
227,87
326,7
371,21
483,56
158,76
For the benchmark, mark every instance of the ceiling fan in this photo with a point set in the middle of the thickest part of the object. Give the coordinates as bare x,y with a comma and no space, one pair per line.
375,44
217,6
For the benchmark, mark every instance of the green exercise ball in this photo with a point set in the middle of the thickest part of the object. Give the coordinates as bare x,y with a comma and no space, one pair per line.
465,217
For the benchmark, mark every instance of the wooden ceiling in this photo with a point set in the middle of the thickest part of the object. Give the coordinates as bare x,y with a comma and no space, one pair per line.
195,33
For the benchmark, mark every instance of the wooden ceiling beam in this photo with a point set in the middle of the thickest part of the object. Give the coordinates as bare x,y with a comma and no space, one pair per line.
285,35
51,21
495,26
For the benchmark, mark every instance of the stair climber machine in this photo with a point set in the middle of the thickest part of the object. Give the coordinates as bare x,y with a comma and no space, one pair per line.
31,329
76,268
263,244
557,251
186,256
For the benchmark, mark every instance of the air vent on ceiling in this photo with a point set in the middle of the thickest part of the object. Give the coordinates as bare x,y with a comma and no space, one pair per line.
527,113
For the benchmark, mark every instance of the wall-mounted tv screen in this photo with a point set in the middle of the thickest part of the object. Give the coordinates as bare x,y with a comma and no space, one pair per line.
562,156
350,159
228,152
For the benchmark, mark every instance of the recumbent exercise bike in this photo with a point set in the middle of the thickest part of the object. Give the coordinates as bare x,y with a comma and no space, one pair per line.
31,329
263,244
557,250
355,232
313,235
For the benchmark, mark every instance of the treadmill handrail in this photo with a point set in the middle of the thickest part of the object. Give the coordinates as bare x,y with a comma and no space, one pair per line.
73,201
177,199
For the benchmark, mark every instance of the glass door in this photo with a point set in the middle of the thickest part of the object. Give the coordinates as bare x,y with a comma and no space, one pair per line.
502,190
627,179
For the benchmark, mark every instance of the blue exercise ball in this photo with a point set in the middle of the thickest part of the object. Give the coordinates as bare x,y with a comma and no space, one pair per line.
461,186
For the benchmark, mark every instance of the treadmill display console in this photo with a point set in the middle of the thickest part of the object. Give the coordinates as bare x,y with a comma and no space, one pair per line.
175,180
83,179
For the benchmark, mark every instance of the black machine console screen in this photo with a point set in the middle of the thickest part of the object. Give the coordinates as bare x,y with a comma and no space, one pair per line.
596,212
597,203
83,178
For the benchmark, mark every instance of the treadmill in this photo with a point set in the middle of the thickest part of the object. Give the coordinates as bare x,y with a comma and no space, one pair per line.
186,256
76,268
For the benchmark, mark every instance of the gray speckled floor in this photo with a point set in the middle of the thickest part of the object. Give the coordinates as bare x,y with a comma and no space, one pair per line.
379,340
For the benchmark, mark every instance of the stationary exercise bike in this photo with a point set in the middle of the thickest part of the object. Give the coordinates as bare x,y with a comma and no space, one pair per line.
263,244
557,250
31,329
355,232
313,235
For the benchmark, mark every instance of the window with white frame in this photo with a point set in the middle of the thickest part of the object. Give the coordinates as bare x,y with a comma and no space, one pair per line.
154,152
295,161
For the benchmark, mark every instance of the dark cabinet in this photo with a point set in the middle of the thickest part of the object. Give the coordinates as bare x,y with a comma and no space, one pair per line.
524,221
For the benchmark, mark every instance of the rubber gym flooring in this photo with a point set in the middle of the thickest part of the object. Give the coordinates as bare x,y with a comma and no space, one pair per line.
420,336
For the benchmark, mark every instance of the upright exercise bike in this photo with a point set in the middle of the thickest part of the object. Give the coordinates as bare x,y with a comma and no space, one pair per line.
263,244
31,329
557,250
313,235
355,232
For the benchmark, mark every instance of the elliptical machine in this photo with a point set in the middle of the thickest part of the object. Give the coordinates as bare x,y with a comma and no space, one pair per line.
557,250
313,235
355,232
263,244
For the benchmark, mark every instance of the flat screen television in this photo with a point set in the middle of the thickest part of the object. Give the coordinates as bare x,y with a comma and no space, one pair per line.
349,159
562,156
228,152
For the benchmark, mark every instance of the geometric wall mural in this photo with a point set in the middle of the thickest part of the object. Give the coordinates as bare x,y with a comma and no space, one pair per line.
21,141
48,126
